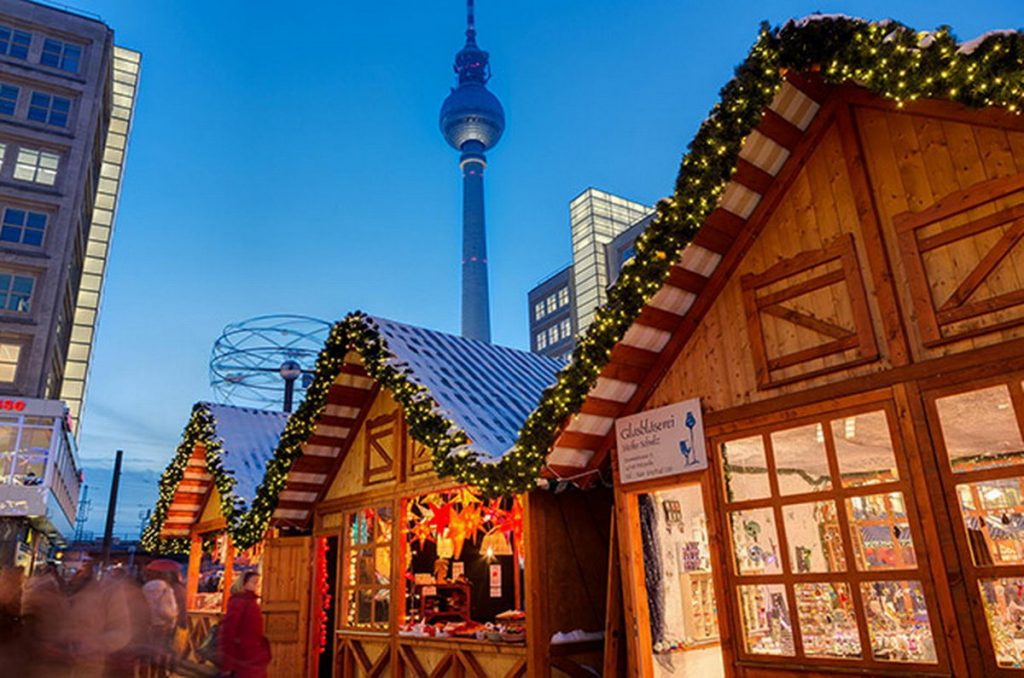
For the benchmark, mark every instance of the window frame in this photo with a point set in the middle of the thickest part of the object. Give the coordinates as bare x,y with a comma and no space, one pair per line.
24,227
852,577
21,347
62,58
972,573
37,168
10,291
13,39
49,109
344,587
4,89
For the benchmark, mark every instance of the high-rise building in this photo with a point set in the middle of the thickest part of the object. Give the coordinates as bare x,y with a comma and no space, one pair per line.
472,121
66,99
561,306
595,218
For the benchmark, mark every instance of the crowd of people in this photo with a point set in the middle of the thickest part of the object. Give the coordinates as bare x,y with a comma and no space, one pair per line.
86,625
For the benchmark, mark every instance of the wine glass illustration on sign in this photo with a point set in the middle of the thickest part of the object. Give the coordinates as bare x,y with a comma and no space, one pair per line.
689,449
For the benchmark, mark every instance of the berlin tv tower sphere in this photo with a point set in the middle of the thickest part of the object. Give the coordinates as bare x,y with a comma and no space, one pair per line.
471,112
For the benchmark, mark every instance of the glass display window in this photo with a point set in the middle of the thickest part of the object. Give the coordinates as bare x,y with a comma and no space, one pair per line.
366,569
881,530
814,537
898,621
842,580
800,460
979,430
828,622
864,449
1003,600
755,540
767,627
993,515
212,564
745,469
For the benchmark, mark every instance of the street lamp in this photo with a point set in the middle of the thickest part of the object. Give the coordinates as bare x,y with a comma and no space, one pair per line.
290,370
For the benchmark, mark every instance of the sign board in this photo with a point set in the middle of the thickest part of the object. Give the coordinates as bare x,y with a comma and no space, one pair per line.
661,442
495,572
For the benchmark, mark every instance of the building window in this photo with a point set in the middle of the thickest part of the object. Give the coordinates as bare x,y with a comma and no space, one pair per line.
538,310
563,297
366,569
824,538
553,334
37,166
15,292
23,227
14,43
48,109
566,328
542,340
8,99
60,55
9,355
552,303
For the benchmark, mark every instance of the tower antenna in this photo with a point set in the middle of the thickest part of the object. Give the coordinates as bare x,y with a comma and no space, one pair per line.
470,21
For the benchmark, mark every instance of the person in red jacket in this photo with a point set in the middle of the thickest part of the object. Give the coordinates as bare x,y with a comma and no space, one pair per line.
244,650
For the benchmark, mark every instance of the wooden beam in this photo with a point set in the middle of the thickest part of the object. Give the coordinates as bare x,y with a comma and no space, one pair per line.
724,220
600,407
353,369
655,317
713,239
687,280
628,373
347,395
780,130
329,420
580,441
633,356
751,176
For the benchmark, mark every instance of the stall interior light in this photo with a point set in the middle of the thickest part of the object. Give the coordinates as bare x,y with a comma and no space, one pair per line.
850,427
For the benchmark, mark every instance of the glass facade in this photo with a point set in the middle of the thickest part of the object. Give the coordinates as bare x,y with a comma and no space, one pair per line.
125,82
37,452
596,218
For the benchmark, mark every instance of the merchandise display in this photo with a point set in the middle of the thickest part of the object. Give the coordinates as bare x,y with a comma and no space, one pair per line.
1004,610
210,588
678,568
767,627
463,566
898,622
828,624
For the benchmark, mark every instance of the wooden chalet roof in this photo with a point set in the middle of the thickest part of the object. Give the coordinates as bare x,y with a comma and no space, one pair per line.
223,446
462,398
755,139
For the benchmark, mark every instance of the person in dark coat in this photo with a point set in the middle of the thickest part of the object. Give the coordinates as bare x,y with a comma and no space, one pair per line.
244,650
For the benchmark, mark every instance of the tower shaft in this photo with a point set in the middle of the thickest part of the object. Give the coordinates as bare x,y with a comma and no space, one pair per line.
476,315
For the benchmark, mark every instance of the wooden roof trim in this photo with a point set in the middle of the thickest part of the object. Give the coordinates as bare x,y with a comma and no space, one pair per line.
706,288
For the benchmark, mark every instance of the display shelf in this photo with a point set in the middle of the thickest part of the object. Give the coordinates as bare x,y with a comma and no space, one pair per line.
447,602
700,613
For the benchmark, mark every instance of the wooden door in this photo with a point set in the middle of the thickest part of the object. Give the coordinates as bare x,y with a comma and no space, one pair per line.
286,573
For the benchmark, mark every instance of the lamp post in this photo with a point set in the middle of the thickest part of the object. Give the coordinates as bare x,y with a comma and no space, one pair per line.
290,370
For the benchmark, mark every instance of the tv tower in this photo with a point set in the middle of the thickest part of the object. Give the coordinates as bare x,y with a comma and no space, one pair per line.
472,121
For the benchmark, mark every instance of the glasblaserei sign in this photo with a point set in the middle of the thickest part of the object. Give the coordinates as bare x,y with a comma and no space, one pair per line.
661,442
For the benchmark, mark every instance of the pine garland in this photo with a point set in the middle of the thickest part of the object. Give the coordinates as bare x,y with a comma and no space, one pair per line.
200,430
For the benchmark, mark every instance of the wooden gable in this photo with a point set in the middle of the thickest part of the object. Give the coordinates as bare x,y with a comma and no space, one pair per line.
864,236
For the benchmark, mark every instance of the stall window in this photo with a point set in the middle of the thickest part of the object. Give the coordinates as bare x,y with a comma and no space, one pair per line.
825,562
464,566
366,569
981,430
212,563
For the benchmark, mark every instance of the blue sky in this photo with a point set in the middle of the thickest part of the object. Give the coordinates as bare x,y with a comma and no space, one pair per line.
286,159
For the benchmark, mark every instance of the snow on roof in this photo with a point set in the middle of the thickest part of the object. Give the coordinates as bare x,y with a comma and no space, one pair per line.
971,45
249,438
486,390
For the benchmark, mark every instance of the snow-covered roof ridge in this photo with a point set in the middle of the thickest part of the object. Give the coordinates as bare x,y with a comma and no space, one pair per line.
249,437
485,389
970,46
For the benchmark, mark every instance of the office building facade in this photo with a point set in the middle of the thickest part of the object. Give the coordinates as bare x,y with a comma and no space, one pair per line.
603,227
66,99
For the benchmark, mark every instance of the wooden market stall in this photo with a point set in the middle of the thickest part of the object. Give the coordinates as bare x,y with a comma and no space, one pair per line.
809,381
404,572
205,489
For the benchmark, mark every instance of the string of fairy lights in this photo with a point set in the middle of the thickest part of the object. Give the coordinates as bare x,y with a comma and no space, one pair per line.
886,58
200,430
